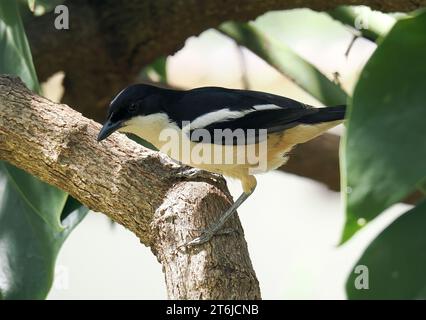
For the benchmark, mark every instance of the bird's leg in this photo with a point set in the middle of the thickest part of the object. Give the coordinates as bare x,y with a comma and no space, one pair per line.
212,230
192,173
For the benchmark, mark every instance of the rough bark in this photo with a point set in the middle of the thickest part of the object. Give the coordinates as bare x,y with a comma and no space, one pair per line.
135,187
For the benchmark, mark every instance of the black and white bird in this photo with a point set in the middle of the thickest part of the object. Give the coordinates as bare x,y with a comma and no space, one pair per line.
212,120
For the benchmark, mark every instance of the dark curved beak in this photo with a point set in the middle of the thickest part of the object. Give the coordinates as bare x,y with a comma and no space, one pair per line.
108,128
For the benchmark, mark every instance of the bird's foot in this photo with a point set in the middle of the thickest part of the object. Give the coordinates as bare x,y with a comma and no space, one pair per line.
192,173
213,229
206,236
203,238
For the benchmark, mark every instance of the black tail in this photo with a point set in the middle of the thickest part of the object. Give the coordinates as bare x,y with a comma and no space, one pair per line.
325,115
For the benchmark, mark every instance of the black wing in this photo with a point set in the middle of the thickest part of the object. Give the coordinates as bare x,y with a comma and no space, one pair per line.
251,111
196,102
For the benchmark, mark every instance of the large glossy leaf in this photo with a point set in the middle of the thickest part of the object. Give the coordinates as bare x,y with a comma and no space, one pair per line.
30,239
31,231
286,61
43,199
384,150
15,54
396,261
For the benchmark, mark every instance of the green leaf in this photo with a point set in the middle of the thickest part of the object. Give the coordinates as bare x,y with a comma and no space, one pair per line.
396,260
15,54
286,61
422,186
29,241
156,71
31,4
370,23
31,229
45,200
40,7
160,67
384,150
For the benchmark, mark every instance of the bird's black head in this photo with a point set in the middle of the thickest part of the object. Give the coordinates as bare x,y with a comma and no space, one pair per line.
135,100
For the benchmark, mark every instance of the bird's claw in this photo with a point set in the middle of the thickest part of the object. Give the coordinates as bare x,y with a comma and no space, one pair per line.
205,236
196,173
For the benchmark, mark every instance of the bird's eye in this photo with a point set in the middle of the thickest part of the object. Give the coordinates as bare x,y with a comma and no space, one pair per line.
133,107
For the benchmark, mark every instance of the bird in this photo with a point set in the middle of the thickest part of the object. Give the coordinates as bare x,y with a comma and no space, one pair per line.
214,128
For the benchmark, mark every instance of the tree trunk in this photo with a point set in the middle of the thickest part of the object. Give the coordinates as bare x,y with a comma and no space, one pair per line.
135,187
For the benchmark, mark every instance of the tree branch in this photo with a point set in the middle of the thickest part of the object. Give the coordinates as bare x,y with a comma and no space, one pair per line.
135,187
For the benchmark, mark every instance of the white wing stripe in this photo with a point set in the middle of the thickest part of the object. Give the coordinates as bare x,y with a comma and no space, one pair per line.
266,107
226,114
217,116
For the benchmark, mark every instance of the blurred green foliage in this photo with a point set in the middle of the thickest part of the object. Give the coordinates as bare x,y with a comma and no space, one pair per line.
368,23
385,145
286,61
31,230
15,54
383,160
40,7
32,233
396,260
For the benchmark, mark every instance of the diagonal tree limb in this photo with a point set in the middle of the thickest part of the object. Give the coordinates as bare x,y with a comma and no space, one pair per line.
135,187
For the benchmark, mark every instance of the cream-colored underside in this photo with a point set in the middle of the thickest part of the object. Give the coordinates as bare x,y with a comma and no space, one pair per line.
154,128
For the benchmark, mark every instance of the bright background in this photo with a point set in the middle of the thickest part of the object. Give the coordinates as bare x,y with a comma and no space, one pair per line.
292,224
